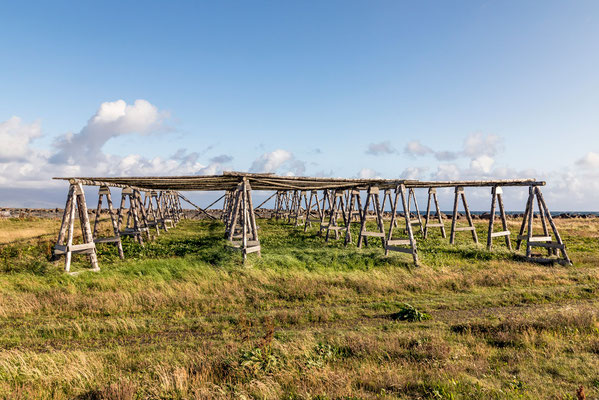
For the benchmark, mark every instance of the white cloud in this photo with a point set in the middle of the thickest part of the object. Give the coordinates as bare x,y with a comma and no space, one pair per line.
376,149
112,119
590,160
415,148
413,173
270,162
24,166
447,172
279,161
367,173
15,138
477,144
482,163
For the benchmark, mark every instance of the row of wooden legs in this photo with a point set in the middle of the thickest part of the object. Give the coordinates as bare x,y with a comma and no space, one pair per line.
161,211
339,206
157,211
241,229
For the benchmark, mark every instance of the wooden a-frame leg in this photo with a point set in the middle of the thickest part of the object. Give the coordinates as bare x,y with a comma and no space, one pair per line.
469,218
86,227
98,213
252,217
66,218
428,213
550,250
439,217
508,242
71,228
491,217
364,217
454,216
393,244
235,211
531,215
497,199
115,227
380,222
558,237
524,222
418,217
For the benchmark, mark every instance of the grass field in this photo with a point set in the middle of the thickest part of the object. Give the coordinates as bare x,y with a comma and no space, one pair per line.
182,318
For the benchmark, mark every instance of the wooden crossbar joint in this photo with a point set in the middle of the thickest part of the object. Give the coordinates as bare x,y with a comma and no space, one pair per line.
460,194
372,198
497,198
64,243
393,244
432,198
551,241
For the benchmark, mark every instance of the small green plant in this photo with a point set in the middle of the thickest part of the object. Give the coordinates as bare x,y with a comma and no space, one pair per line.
260,359
409,313
321,354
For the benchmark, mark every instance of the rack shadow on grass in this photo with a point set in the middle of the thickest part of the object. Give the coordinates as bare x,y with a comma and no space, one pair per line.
204,243
437,251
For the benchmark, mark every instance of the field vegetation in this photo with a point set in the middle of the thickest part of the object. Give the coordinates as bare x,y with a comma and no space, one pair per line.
183,318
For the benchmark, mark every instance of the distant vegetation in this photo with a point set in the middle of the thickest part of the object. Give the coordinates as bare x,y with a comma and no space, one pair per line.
182,318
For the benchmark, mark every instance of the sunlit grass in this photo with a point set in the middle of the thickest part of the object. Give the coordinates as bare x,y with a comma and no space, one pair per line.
183,317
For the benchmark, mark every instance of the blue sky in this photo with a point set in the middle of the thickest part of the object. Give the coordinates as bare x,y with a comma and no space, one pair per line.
427,90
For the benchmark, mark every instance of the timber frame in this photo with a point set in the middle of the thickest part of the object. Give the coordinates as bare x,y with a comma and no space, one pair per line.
334,203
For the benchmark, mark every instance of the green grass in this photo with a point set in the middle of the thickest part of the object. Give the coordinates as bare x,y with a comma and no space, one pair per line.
183,318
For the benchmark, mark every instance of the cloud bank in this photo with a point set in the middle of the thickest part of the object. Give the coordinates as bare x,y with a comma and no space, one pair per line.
22,165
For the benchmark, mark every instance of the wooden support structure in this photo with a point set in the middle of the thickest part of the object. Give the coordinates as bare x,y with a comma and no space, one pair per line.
497,198
298,211
161,208
312,202
152,216
196,206
418,220
159,212
459,193
387,196
432,198
295,203
327,205
265,201
129,222
227,203
554,245
399,244
282,207
354,209
243,222
372,197
116,239
337,208
64,244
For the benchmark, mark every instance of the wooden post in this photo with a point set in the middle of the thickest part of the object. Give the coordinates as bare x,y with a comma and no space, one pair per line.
496,197
354,198
372,197
394,244
418,220
76,202
545,241
116,239
432,195
336,208
243,220
459,192
132,216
